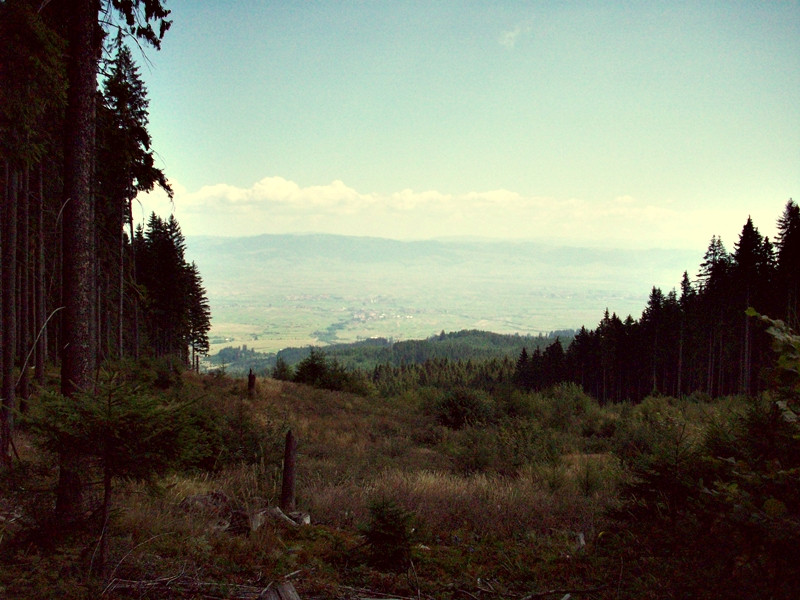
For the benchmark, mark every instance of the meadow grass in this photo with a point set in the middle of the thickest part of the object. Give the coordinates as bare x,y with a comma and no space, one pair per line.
531,515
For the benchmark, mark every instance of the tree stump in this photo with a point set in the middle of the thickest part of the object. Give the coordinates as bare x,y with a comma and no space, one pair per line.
282,591
287,489
251,383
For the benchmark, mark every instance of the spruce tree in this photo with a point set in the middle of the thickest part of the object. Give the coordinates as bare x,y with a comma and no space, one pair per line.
788,262
125,168
79,258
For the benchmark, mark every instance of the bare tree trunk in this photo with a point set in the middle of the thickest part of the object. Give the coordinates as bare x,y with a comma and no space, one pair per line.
121,285
78,258
710,367
9,314
747,353
103,316
23,266
4,190
251,382
40,290
135,289
680,360
287,488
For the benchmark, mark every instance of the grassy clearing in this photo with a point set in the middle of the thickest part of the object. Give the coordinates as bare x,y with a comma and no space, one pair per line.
505,508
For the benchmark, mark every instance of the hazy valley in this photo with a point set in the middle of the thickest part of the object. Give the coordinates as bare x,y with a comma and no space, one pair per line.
276,291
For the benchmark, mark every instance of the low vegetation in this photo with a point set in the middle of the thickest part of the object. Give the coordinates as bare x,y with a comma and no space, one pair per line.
432,493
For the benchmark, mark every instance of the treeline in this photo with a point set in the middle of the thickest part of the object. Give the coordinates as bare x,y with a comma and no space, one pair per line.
465,345
80,284
697,340
700,340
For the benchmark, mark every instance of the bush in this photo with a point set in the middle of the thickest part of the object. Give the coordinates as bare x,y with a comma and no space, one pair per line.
282,371
318,371
462,407
734,489
568,404
217,436
132,433
389,535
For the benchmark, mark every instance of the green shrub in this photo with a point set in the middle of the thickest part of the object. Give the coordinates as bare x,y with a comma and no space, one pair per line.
214,438
319,371
524,442
133,433
477,451
282,371
568,404
733,489
462,407
515,404
389,535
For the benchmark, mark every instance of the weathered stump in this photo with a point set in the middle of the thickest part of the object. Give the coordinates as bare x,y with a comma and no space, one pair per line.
282,591
287,489
251,384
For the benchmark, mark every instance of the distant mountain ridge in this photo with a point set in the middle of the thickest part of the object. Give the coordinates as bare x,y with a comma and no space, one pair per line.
366,355
385,249
282,290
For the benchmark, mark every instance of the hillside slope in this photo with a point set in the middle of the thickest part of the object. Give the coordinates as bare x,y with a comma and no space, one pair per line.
277,291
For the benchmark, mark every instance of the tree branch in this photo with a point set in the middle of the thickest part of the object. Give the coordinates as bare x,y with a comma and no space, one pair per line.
564,591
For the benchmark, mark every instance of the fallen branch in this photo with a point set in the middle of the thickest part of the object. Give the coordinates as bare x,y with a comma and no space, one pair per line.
375,594
564,591
186,585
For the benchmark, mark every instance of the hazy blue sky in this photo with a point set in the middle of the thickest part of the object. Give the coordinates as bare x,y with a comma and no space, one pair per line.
620,123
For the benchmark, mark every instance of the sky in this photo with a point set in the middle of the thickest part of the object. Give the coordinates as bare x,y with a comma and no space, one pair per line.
618,124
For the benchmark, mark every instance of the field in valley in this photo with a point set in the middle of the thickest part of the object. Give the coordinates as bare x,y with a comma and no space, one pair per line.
271,292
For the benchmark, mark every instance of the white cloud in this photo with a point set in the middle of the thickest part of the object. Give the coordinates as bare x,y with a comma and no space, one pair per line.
509,38
278,205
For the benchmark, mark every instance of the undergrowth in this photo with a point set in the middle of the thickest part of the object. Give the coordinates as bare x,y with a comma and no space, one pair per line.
430,495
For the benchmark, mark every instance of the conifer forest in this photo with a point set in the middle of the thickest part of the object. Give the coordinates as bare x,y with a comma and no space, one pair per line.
654,456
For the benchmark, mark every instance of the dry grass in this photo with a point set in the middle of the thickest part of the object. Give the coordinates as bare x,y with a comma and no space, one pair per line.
352,451
484,505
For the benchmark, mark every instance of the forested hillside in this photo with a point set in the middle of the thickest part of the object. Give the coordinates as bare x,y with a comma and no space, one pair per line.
81,286
699,339
696,340
652,457
366,355
273,292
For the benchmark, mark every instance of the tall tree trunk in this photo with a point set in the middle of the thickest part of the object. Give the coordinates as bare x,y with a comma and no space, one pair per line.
9,313
4,190
679,385
710,368
287,502
40,290
134,287
121,285
78,257
23,266
747,352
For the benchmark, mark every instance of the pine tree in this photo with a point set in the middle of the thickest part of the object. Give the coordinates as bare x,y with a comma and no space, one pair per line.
652,325
176,316
199,316
32,92
788,262
751,273
522,370
714,278
125,168
553,364
79,259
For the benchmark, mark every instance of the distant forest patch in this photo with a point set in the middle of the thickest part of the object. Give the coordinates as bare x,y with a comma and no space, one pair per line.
367,354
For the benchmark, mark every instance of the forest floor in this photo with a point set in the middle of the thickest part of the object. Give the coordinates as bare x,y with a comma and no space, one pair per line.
400,506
